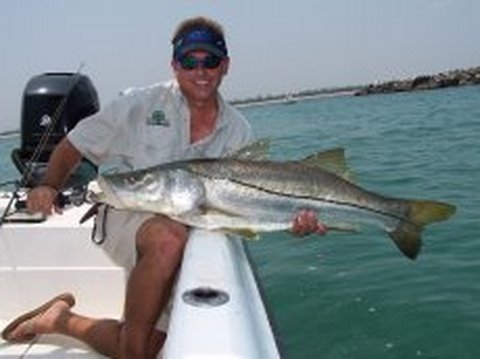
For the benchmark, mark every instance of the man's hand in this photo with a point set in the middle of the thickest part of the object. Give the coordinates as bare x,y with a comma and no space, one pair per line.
306,222
64,158
42,199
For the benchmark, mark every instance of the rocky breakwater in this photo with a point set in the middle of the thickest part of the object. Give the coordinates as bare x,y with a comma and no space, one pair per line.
452,78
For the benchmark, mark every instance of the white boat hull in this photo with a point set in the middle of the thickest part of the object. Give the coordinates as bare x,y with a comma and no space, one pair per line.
218,311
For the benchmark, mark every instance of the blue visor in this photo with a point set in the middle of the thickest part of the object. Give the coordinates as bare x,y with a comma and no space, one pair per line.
200,39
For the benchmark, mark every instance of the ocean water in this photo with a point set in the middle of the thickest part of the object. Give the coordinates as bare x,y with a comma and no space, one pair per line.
355,295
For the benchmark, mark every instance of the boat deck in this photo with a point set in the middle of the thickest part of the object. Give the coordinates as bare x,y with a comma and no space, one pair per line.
217,308
52,347
41,260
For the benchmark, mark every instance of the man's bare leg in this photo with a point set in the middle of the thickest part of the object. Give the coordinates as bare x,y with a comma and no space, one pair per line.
160,243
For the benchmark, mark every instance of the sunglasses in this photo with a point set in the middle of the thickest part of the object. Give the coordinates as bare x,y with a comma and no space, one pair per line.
210,62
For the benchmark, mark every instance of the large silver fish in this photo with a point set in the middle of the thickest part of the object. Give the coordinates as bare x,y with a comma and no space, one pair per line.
249,196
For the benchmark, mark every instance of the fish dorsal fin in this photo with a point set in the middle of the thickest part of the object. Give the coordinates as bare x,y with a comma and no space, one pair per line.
255,151
330,160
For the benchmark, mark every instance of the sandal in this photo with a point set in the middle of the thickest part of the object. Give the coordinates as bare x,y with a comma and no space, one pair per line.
29,317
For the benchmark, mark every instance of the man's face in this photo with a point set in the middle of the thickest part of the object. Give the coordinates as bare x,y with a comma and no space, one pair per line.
198,76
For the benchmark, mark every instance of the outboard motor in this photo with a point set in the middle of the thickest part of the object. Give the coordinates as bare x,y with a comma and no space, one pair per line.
53,103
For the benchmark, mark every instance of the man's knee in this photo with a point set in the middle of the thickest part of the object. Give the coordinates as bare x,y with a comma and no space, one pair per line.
161,236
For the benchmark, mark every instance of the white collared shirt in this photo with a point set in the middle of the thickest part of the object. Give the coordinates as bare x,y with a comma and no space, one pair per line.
151,125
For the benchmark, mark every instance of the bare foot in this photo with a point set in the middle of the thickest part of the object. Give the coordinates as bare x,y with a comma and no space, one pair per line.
42,320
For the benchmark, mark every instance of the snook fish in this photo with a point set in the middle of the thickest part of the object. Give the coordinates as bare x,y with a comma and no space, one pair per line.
249,196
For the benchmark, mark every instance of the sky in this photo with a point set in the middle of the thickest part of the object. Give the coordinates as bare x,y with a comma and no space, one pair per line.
276,46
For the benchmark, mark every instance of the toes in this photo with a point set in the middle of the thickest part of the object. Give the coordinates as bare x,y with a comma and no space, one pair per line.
24,332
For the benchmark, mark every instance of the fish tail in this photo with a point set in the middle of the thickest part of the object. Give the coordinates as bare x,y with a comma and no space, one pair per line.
407,236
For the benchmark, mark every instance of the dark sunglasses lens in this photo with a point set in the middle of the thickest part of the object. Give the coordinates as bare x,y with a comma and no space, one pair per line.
209,62
212,62
188,62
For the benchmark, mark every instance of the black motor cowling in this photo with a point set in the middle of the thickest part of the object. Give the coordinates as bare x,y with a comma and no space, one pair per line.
53,103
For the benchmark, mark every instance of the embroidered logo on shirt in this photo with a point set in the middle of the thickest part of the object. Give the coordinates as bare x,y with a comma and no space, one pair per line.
157,118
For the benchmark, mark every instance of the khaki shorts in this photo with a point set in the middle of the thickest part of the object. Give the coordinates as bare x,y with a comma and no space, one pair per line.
115,232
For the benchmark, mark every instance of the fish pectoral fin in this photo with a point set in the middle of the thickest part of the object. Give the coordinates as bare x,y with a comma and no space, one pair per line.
332,160
212,219
246,233
243,232
343,229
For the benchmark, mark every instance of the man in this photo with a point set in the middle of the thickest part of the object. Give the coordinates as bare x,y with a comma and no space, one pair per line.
182,119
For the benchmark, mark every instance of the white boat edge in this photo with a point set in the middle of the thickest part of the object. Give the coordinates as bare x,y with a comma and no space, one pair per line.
218,311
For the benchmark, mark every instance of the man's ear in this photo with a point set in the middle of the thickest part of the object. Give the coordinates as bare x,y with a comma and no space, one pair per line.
174,65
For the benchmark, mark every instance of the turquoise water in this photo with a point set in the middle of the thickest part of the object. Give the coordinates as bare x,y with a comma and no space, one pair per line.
356,296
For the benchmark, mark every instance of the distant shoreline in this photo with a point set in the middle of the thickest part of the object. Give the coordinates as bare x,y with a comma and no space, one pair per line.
10,133
295,97
453,78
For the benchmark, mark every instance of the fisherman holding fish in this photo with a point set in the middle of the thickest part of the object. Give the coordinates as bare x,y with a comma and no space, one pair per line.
182,119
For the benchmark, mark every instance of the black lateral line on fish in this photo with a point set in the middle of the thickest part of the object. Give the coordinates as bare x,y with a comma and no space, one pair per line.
289,195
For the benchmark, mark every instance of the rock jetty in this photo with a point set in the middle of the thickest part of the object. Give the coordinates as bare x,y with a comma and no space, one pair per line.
452,78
